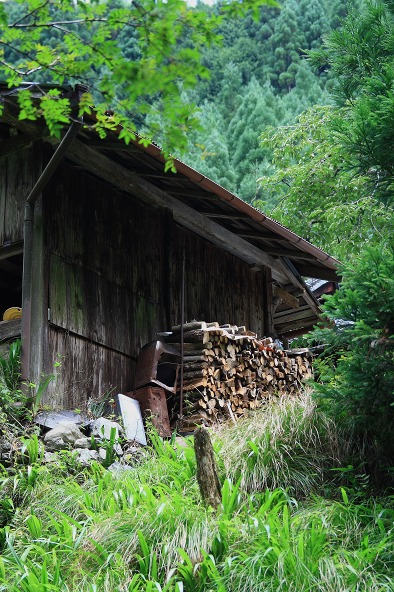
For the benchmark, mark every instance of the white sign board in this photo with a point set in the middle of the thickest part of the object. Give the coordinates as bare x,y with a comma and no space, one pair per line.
132,419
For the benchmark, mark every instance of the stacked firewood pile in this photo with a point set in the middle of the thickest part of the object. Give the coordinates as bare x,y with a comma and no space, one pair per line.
227,370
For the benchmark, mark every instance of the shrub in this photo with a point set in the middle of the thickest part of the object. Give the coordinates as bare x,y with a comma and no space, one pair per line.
356,373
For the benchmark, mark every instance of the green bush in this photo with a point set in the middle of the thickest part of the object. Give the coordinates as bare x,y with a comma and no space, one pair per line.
356,372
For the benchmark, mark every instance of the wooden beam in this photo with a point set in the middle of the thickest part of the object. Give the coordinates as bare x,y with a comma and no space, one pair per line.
284,313
114,145
291,253
263,235
117,175
286,297
7,251
321,273
309,299
194,194
284,329
10,329
295,332
225,216
293,316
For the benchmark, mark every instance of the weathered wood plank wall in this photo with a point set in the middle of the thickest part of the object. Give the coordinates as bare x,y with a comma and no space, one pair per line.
18,171
115,273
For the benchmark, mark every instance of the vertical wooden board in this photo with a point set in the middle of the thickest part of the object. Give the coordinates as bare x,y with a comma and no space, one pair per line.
268,303
89,305
87,371
39,299
58,297
3,193
23,168
218,286
146,323
105,231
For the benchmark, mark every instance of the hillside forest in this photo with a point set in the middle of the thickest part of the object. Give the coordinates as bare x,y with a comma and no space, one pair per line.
291,107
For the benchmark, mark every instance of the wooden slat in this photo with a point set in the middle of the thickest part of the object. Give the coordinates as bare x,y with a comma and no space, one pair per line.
312,271
285,313
307,322
7,251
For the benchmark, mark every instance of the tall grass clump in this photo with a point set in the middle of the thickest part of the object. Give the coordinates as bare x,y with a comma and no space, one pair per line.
326,546
13,402
290,444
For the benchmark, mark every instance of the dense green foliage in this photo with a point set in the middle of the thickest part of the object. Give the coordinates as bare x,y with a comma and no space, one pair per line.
360,56
313,189
129,54
145,529
259,78
332,176
357,379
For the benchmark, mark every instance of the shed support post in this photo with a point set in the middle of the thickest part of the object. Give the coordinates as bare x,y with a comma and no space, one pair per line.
268,304
27,286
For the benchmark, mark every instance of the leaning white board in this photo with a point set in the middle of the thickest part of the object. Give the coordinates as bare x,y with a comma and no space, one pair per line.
132,419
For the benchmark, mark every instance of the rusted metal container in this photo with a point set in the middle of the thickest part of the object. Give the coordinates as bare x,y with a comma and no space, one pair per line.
153,404
157,364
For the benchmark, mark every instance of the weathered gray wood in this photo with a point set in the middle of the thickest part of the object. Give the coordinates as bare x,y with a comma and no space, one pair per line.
11,250
107,169
284,313
115,279
293,316
268,303
207,473
87,370
38,364
10,329
286,297
296,282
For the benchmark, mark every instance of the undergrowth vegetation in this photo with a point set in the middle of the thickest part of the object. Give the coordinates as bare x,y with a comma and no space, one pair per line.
145,528
291,444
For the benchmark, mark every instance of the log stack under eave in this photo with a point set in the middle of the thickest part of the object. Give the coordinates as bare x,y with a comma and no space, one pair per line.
227,370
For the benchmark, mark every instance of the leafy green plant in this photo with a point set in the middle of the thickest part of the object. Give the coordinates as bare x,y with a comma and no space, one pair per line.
10,365
33,448
97,407
37,391
13,401
108,444
356,372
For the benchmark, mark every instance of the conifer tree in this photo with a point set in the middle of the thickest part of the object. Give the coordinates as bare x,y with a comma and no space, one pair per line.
360,56
356,379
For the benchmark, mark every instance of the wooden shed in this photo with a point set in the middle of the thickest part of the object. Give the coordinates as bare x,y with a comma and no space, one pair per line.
104,231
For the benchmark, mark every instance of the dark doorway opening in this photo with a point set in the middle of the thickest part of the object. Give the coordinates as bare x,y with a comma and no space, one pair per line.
11,268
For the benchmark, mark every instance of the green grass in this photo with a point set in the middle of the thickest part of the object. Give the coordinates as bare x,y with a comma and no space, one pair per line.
291,445
147,529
